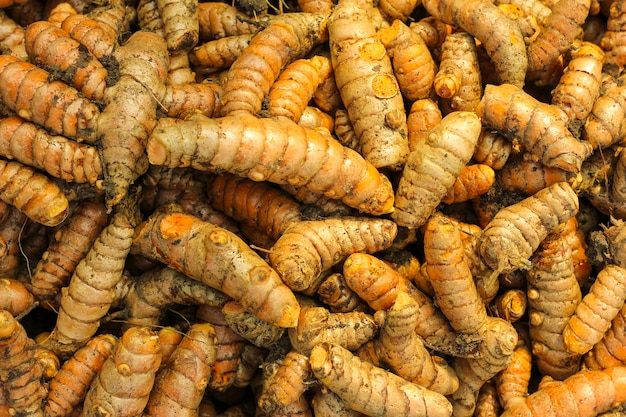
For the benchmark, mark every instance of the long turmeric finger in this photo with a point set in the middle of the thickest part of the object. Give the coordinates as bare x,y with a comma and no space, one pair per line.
369,90
372,390
180,385
58,156
26,89
433,166
281,152
203,251
72,242
251,76
20,372
51,47
539,127
584,394
501,36
69,387
123,385
593,316
553,295
516,231
403,350
89,294
130,112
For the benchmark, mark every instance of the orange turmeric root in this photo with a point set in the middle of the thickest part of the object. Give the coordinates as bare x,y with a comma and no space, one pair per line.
539,127
60,157
501,36
516,231
372,390
585,394
123,385
26,89
69,387
52,48
307,249
433,167
203,251
42,201
20,372
73,241
295,155
369,90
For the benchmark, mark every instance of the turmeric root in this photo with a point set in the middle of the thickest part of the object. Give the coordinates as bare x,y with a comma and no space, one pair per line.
527,176
402,349
433,167
335,171
306,249
290,382
219,53
258,332
258,204
539,127
598,308
379,285
516,231
58,156
335,293
219,20
123,385
179,386
473,180
458,81
130,112
26,89
317,325
492,149
98,38
412,62
372,390
586,393
423,115
69,387
558,30
15,297
89,294
185,99
11,37
42,201
579,86
369,90
181,27
72,242
175,239
295,86
229,349
552,283
609,351
147,296
52,48
501,36
251,76
512,382
20,372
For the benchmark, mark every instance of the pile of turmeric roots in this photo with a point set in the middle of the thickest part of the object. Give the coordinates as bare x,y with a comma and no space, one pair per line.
312,208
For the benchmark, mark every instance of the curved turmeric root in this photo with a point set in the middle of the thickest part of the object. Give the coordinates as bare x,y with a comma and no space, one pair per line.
204,251
281,152
584,394
372,390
